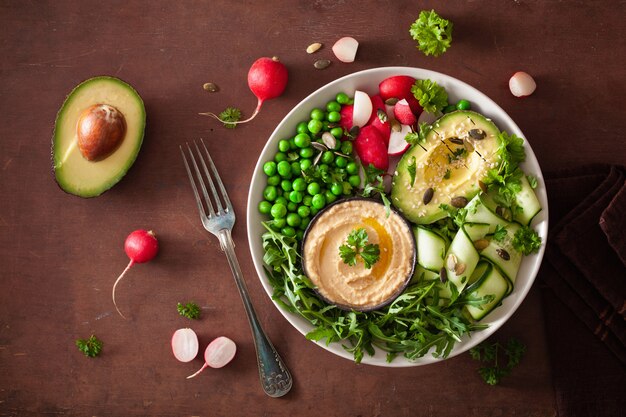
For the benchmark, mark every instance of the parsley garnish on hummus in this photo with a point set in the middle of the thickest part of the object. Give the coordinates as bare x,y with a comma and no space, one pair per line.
356,245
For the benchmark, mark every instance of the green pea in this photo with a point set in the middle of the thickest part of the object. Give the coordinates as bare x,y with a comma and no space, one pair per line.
295,169
323,167
330,197
302,127
328,157
333,117
292,207
273,180
300,235
342,98
315,126
313,188
346,147
303,211
307,200
336,189
278,211
281,200
314,211
354,180
319,201
299,184
296,196
286,185
333,106
341,162
280,223
284,168
305,164
463,105
306,152
288,231
337,132
302,140
269,168
449,109
283,145
352,168
269,193
292,145
293,220
304,223
265,207
316,114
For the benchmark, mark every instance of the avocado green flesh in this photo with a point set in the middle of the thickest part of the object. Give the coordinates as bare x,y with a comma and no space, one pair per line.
75,174
443,166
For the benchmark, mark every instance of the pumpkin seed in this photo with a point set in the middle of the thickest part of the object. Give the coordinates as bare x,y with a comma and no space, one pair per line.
210,87
456,140
382,116
468,147
443,275
329,140
391,101
451,262
477,134
459,202
428,195
504,212
354,131
502,253
481,244
459,268
321,64
482,186
314,47
395,125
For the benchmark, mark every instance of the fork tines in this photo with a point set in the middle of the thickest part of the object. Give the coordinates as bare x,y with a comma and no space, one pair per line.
199,175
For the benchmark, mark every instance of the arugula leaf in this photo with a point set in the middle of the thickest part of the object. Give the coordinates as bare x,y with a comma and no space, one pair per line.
430,95
230,115
500,233
432,32
490,353
357,245
90,347
526,240
412,168
190,310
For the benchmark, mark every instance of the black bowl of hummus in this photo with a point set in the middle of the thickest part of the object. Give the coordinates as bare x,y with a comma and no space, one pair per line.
359,254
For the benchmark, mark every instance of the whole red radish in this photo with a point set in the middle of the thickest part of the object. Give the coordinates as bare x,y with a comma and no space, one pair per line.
399,86
376,119
218,354
141,246
371,148
267,79
346,116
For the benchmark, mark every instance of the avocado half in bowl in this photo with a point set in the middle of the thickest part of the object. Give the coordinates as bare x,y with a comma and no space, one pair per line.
358,254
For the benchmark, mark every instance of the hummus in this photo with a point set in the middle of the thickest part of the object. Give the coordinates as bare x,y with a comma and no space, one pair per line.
358,287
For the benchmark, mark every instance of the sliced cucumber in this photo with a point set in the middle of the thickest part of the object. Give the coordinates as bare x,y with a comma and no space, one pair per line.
528,202
492,283
423,274
503,254
476,231
431,248
481,209
461,256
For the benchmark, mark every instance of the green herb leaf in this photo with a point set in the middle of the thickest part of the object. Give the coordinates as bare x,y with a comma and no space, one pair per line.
500,233
412,168
90,347
526,240
432,32
430,95
532,181
229,116
357,245
374,185
490,353
190,310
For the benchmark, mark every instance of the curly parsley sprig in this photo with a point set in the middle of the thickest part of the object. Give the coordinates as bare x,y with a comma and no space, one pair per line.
190,310
432,33
431,96
90,347
229,116
357,245
492,354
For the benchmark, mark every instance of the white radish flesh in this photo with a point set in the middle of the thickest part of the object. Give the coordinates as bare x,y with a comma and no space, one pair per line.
345,49
428,118
185,345
522,84
397,143
362,109
218,354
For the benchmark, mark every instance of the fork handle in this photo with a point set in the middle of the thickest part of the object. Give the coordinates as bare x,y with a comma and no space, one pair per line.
275,377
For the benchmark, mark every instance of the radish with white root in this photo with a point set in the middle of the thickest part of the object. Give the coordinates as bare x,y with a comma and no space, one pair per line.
218,354
267,79
522,84
141,246
185,345
345,49
362,109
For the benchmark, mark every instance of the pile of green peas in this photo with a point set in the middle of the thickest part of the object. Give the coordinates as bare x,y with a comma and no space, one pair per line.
297,188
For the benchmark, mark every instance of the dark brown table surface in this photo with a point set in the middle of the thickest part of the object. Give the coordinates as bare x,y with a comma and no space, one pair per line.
60,254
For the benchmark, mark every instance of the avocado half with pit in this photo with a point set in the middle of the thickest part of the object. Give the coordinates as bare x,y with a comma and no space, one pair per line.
97,135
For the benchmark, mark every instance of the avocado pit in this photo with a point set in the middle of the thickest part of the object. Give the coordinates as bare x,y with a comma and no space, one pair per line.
100,130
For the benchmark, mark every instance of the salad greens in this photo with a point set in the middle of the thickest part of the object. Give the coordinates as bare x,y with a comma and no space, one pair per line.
432,33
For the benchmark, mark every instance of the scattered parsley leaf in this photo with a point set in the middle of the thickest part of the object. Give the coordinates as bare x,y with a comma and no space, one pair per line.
506,178
189,310
526,240
500,233
90,347
230,115
446,176
412,168
432,33
490,353
532,181
374,184
430,95
357,245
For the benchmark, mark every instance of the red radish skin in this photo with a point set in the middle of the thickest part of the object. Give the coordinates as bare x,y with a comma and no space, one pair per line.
185,345
522,84
141,246
383,128
346,116
218,354
267,79
371,148
399,86
403,113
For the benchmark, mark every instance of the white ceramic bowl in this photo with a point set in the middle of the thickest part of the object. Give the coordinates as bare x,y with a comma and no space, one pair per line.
368,81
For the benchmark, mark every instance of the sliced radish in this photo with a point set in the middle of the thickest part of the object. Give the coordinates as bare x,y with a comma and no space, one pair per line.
429,118
185,345
397,142
403,113
346,116
345,49
522,84
362,108
218,354
379,118
371,148
399,86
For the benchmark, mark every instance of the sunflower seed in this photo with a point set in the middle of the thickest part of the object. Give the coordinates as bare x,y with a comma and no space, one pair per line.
503,254
321,64
428,195
459,202
443,275
391,101
395,125
459,268
451,262
210,87
482,186
504,212
319,146
314,47
317,158
456,140
329,140
477,134
481,244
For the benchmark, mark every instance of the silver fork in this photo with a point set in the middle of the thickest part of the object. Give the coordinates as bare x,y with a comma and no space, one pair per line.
219,220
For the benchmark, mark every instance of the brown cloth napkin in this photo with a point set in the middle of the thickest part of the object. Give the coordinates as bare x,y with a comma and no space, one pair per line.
584,277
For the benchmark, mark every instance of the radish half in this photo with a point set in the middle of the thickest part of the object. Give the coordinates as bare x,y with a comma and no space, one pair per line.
403,113
397,142
362,109
218,354
522,84
345,49
185,345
